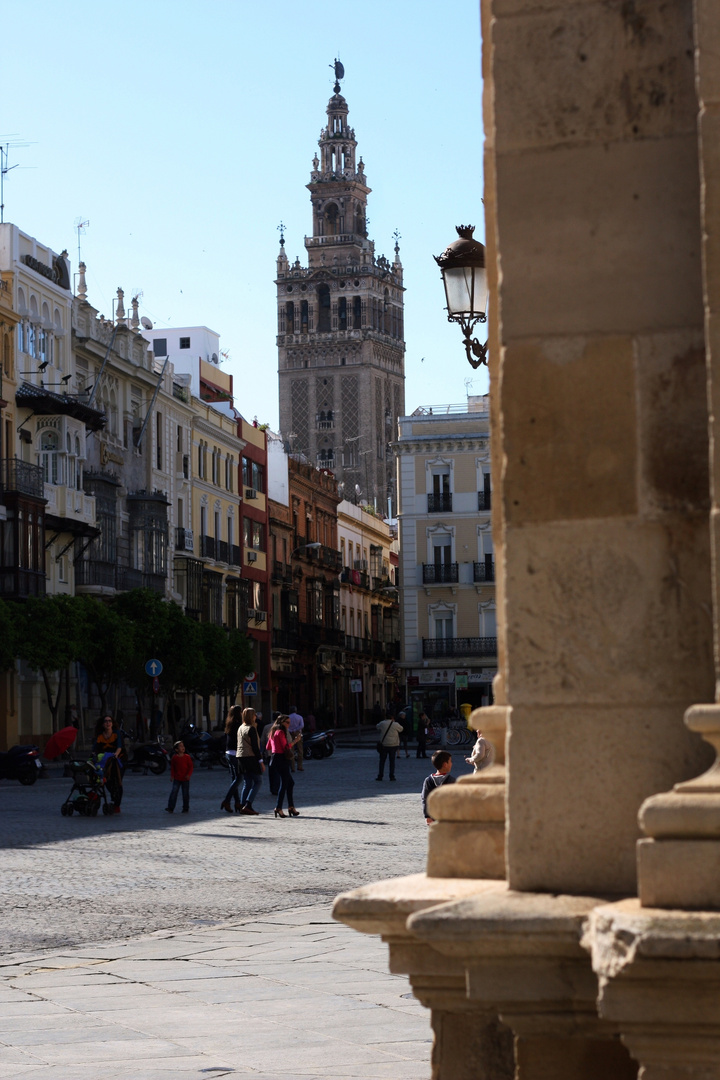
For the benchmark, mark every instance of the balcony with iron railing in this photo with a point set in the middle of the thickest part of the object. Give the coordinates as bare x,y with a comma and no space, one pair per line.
484,500
282,573
439,503
315,634
207,546
483,571
236,555
330,559
359,579
285,639
362,645
222,551
91,574
184,540
22,477
440,573
441,648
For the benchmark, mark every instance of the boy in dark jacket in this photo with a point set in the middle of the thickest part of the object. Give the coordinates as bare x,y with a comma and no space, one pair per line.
442,761
181,769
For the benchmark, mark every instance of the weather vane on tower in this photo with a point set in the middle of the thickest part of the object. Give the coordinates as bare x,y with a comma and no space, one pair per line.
339,74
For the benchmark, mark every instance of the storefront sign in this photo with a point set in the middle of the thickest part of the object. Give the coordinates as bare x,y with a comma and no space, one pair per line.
57,273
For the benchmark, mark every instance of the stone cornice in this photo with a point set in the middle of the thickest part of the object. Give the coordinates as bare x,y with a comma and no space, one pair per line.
438,444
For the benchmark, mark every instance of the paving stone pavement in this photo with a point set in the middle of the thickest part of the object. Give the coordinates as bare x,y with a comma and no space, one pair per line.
149,945
278,997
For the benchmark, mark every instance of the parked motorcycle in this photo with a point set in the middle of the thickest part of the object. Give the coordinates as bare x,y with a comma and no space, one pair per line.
21,763
144,756
318,745
205,748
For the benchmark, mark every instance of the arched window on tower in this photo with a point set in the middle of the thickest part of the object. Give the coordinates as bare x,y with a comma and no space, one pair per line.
332,220
357,313
359,221
342,313
323,308
290,317
385,325
303,316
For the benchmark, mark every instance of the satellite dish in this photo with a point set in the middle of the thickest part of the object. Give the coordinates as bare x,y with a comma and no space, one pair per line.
146,324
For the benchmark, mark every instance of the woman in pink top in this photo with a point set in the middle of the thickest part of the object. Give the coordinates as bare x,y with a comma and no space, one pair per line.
280,747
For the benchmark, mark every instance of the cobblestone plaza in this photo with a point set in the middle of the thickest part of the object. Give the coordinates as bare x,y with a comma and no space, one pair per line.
146,945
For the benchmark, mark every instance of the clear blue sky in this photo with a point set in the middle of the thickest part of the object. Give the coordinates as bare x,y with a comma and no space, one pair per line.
185,132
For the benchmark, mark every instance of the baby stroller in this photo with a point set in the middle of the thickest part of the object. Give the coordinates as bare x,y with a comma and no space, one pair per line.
88,792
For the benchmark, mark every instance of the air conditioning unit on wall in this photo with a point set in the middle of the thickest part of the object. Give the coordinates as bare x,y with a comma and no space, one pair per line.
251,493
252,556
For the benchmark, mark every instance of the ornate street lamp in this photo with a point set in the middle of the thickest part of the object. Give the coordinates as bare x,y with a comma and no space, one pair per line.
462,266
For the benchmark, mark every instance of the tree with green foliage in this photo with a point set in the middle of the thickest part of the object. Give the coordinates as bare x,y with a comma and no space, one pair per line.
161,631
47,633
106,643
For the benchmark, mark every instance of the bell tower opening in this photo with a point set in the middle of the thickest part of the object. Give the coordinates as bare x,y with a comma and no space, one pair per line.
323,295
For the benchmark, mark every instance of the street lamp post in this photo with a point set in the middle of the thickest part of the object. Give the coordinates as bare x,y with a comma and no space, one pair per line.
462,266
312,546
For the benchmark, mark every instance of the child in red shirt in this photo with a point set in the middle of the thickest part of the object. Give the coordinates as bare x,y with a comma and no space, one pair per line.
181,769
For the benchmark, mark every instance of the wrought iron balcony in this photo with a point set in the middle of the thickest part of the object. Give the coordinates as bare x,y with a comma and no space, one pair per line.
221,551
330,558
360,579
484,500
282,573
184,540
97,574
236,554
207,546
440,648
484,571
440,503
23,477
440,573
314,634
285,639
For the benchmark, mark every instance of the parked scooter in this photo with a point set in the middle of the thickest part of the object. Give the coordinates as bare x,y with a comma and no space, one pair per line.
205,748
318,745
21,763
144,756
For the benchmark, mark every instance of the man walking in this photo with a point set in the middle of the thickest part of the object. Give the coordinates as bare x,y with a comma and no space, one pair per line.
296,729
389,732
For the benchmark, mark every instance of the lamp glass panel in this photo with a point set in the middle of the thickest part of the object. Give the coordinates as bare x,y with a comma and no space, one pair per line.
466,290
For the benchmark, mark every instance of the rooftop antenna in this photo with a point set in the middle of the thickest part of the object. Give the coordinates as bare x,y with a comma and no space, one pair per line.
4,169
80,225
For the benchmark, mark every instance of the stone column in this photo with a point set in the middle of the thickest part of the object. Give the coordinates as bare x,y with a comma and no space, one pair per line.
659,974
524,963
603,553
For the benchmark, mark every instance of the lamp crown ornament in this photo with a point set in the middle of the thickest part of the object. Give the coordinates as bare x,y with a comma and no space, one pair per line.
462,265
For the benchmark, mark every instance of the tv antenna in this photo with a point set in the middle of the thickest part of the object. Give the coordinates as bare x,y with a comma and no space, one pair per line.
80,226
5,169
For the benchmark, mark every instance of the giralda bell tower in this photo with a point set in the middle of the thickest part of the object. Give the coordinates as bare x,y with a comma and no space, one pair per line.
340,327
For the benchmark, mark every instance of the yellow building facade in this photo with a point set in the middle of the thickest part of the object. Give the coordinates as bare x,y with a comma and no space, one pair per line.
449,638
